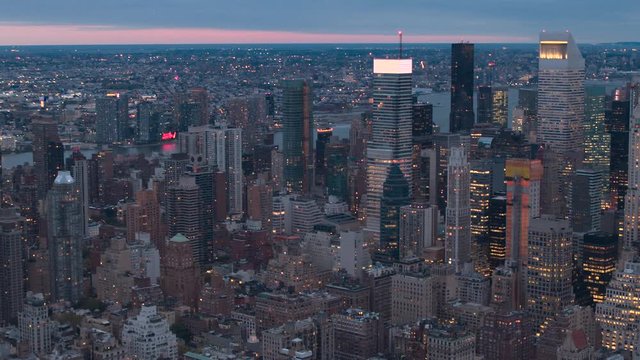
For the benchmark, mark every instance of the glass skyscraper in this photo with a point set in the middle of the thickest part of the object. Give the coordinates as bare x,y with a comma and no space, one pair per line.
391,140
461,117
560,92
297,121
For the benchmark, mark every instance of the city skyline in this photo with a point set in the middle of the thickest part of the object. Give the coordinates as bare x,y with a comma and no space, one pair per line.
283,21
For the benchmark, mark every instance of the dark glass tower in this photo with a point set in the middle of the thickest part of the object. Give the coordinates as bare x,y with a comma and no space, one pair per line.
619,161
324,136
46,144
297,121
485,104
422,124
461,117
65,228
497,231
337,170
599,255
395,194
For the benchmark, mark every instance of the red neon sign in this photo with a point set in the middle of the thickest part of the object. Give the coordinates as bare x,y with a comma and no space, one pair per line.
169,135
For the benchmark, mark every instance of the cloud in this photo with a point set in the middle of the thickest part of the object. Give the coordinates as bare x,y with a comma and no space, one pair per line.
29,34
589,20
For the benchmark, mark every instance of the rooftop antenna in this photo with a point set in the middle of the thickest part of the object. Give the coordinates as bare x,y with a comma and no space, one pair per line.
400,37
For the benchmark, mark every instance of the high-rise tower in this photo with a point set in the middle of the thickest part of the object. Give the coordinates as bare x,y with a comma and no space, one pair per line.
65,228
11,274
560,92
632,197
297,121
390,141
458,212
48,154
395,194
461,117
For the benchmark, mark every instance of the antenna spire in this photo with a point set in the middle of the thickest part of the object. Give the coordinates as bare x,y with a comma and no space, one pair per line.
400,37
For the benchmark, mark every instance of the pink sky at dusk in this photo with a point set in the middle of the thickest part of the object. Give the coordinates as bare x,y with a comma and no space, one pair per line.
26,34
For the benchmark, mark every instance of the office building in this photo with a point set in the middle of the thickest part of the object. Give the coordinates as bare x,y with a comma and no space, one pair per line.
48,154
449,342
112,118
260,203
618,314
80,173
485,104
391,132
11,265
36,329
323,138
298,127
462,65
458,217
183,214
147,336
597,140
523,204
180,273
418,229
249,114
506,336
632,197
497,236
586,199
358,334
395,194
412,298
500,106
619,125
481,181
65,229
148,123
422,123
220,149
560,93
549,268
599,255
337,170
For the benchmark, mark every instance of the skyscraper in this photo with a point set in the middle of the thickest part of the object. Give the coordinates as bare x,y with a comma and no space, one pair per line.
65,228
497,230
148,126
597,141
619,157
298,125
48,154
618,314
80,173
523,204
632,197
322,140
500,106
337,171
461,117
422,120
184,215
586,198
599,254
418,229
485,104
549,267
11,273
458,212
395,194
560,92
391,131
112,118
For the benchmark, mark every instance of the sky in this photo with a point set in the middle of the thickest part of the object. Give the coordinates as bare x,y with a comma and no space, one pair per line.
61,22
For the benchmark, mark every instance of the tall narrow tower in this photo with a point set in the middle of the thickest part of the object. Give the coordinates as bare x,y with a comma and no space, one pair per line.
297,120
560,92
390,141
64,220
632,198
461,117
458,214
